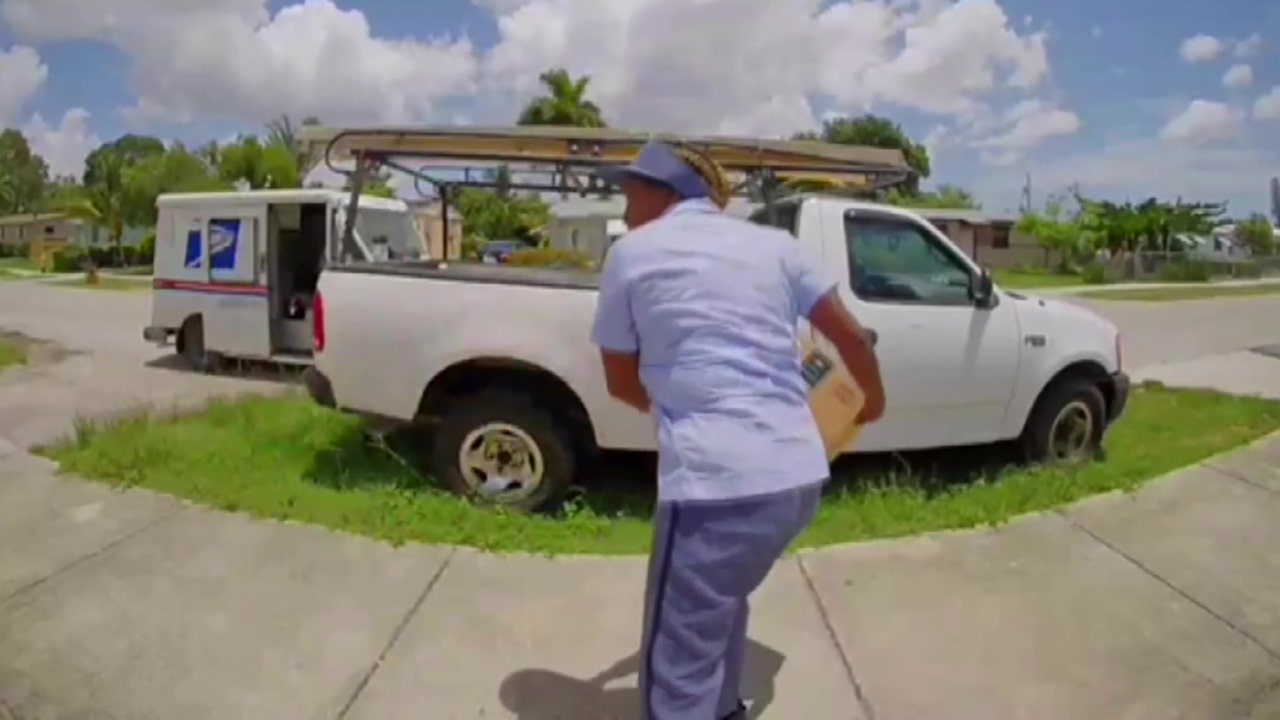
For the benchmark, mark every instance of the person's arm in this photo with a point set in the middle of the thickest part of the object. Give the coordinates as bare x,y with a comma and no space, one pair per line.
853,343
614,332
819,301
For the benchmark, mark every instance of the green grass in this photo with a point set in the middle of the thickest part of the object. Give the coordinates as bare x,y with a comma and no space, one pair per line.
286,458
107,283
12,352
19,263
1022,279
1194,292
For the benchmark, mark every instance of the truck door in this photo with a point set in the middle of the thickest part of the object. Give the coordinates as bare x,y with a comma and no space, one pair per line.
232,243
949,367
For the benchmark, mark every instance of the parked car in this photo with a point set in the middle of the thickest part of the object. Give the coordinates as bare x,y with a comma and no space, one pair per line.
496,251
498,358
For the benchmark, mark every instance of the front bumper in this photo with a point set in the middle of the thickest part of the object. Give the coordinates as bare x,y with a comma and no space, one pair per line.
1120,387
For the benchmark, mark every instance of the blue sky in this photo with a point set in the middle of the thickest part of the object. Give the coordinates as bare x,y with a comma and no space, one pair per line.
1115,66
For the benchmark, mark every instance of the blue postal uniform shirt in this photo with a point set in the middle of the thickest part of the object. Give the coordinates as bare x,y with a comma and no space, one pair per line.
711,304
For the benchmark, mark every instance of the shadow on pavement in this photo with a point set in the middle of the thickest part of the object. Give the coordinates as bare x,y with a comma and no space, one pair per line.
238,369
539,694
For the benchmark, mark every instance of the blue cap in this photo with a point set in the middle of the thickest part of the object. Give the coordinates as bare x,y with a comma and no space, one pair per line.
657,162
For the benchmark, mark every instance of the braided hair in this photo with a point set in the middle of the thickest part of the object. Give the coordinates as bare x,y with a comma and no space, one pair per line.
709,170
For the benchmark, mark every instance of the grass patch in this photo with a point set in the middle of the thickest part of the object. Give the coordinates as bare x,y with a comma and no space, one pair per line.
12,352
18,263
1194,292
1022,279
286,458
107,283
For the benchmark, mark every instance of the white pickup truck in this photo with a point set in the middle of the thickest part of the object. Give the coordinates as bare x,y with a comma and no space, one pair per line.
498,358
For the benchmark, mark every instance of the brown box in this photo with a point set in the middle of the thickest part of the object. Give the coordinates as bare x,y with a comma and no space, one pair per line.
834,398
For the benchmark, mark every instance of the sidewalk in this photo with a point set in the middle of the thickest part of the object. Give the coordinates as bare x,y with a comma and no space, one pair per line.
137,606
1075,289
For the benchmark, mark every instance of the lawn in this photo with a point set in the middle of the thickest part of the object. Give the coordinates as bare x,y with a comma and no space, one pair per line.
1022,279
12,352
1187,292
286,458
108,283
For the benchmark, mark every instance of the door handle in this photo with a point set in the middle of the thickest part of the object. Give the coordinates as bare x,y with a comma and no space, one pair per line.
872,336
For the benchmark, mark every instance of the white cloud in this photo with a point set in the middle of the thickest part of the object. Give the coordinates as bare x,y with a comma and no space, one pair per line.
21,75
1203,121
1249,46
1201,48
65,145
1238,76
1024,126
709,65
233,60
1267,107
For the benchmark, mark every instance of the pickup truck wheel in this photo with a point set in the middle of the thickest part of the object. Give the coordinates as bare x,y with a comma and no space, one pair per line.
500,448
1067,423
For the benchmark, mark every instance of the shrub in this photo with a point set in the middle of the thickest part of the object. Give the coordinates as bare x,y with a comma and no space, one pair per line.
147,248
1247,269
1186,271
1094,273
68,260
551,257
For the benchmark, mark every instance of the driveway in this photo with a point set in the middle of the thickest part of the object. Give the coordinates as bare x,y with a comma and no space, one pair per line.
133,605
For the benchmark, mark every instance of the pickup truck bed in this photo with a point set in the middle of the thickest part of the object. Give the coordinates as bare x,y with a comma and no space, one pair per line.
482,273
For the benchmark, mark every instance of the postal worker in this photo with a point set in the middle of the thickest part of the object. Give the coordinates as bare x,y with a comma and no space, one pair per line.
696,324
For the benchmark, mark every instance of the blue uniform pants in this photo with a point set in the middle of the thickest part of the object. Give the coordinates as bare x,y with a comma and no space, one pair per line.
707,559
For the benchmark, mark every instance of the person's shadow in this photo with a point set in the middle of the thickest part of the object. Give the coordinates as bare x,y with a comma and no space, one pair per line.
538,694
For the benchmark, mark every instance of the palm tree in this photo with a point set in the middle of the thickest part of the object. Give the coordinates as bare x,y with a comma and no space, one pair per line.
565,102
104,203
282,132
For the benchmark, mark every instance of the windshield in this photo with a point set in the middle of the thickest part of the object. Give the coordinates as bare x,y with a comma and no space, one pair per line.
390,235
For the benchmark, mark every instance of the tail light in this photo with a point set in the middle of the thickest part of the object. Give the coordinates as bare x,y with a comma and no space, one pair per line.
317,322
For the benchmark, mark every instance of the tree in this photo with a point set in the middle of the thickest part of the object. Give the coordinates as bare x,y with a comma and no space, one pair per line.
261,165
1056,232
565,102
488,216
61,192
104,202
946,196
282,132
177,170
131,149
377,182
23,175
1256,233
875,131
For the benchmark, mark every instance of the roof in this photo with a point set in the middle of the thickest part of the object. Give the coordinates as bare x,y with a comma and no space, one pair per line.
27,218
794,159
292,195
972,217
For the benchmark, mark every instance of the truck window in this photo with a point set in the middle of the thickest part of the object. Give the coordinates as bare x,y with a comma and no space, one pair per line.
896,260
785,216
389,234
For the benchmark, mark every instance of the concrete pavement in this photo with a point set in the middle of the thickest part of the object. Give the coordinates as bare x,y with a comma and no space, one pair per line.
128,604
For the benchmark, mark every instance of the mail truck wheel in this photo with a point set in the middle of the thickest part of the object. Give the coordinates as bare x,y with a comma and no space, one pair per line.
1067,423
191,346
500,447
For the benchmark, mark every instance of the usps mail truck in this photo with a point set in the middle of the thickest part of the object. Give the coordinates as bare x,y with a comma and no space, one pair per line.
235,272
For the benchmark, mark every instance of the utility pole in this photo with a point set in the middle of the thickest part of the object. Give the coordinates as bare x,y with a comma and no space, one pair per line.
1275,200
1026,195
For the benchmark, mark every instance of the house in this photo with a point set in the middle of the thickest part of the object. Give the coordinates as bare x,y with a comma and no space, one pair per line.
592,224
991,239
429,217
44,233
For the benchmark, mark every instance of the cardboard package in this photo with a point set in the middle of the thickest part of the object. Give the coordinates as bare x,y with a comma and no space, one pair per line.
834,398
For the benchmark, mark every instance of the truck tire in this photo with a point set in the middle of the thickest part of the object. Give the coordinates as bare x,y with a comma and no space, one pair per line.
1067,422
191,346
500,447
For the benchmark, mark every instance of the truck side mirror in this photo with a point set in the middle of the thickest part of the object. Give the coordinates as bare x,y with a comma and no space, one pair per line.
982,289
